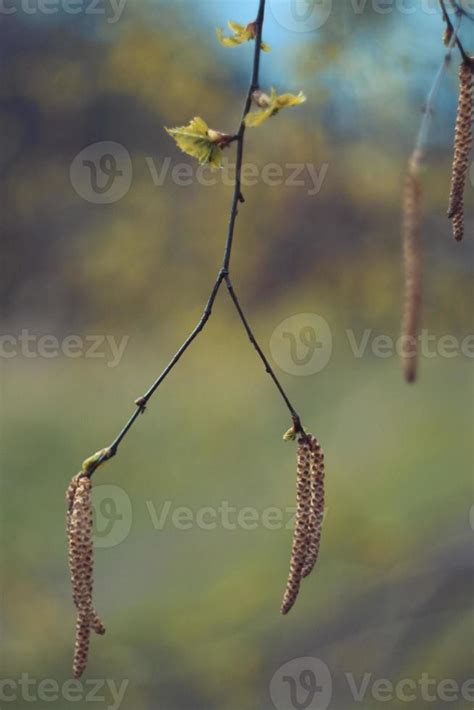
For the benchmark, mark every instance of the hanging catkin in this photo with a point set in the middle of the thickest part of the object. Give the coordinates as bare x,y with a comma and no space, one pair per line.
316,515
412,256
462,149
300,536
80,541
81,648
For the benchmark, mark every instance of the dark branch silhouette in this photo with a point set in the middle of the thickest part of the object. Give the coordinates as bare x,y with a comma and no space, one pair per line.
222,276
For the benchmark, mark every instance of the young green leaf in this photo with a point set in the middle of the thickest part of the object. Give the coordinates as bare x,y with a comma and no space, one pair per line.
242,34
290,435
201,142
271,105
90,464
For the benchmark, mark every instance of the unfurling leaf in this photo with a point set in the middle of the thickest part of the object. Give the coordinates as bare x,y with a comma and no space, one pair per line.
448,35
201,142
271,105
290,435
242,34
90,464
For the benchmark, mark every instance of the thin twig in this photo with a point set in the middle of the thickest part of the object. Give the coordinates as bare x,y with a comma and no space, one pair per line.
294,414
466,57
412,224
428,109
460,10
223,274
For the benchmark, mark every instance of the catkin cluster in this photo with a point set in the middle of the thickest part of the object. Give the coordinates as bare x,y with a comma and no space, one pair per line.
412,258
309,516
80,542
462,149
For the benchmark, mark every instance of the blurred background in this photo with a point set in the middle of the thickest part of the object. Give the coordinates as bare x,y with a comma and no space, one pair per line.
112,239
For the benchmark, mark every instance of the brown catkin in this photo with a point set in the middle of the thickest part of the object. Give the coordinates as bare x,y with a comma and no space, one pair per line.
412,266
462,149
458,226
303,498
80,541
81,648
316,515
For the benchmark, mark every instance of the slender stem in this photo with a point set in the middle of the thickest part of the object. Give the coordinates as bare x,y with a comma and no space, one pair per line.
423,133
254,82
142,401
223,274
268,368
461,10
466,57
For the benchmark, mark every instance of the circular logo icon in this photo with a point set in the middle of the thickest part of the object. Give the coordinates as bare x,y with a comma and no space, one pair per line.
302,344
301,15
102,172
302,684
112,511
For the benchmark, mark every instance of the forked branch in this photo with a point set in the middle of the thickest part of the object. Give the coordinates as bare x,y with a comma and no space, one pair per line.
453,32
223,275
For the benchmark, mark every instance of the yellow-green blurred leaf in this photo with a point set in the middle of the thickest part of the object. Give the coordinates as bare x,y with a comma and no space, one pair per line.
252,120
195,140
242,34
287,100
271,105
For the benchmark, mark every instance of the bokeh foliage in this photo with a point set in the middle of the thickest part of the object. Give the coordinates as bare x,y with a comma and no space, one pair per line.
193,615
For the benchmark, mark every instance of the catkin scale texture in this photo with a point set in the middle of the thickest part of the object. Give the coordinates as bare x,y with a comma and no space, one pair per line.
80,543
298,551
412,265
316,515
81,648
462,149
